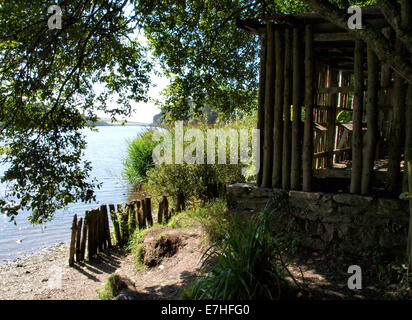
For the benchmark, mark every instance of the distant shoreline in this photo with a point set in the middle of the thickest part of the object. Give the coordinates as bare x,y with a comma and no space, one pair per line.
108,123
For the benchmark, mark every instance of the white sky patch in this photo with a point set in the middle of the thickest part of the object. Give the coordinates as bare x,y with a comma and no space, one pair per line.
142,111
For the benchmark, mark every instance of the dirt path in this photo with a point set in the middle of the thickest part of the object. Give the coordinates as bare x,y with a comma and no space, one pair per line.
46,275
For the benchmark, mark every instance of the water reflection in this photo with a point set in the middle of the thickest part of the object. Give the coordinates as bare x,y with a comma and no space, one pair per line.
105,150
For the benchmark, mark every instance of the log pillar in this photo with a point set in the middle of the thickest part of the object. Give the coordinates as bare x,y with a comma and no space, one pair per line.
287,101
309,98
356,173
261,106
369,151
296,157
269,102
278,111
398,121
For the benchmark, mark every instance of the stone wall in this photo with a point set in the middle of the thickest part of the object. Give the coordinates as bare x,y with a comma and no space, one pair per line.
350,222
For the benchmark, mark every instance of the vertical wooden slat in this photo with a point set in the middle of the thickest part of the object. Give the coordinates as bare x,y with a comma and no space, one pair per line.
356,173
297,111
287,101
398,121
308,129
372,122
278,111
332,118
78,239
261,105
269,103
73,241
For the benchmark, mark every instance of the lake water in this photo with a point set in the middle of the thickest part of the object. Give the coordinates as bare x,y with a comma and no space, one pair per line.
105,150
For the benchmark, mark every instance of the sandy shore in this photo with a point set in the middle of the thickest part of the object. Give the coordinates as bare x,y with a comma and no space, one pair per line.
46,275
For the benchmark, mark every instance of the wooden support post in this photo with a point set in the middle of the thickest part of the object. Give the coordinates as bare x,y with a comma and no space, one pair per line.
78,239
309,97
261,105
89,222
90,239
287,101
73,241
138,214
398,120
166,209
84,238
102,235
143,216
160,212
123,219
107,239
297,112
115,223
131,218
356,176
408,136
96,230
368,160
278,112
269,104
148,208
332,118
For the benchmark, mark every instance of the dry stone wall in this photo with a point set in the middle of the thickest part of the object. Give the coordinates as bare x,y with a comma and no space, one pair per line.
353,223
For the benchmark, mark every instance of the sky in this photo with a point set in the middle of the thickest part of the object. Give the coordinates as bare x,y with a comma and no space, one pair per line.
144,112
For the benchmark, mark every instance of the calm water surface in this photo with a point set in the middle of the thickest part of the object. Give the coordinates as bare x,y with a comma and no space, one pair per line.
105,150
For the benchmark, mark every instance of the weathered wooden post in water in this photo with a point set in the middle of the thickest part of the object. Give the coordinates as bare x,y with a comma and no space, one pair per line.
78,240
84,237
115,223
148,208
72,242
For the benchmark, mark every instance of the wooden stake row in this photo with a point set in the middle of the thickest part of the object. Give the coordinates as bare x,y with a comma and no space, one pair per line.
94,228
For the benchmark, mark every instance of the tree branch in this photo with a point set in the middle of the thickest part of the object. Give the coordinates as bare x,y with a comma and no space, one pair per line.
370,34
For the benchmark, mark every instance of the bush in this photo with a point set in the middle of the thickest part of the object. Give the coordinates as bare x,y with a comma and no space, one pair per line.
114,284
198,181
212,216
138,160
246,265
